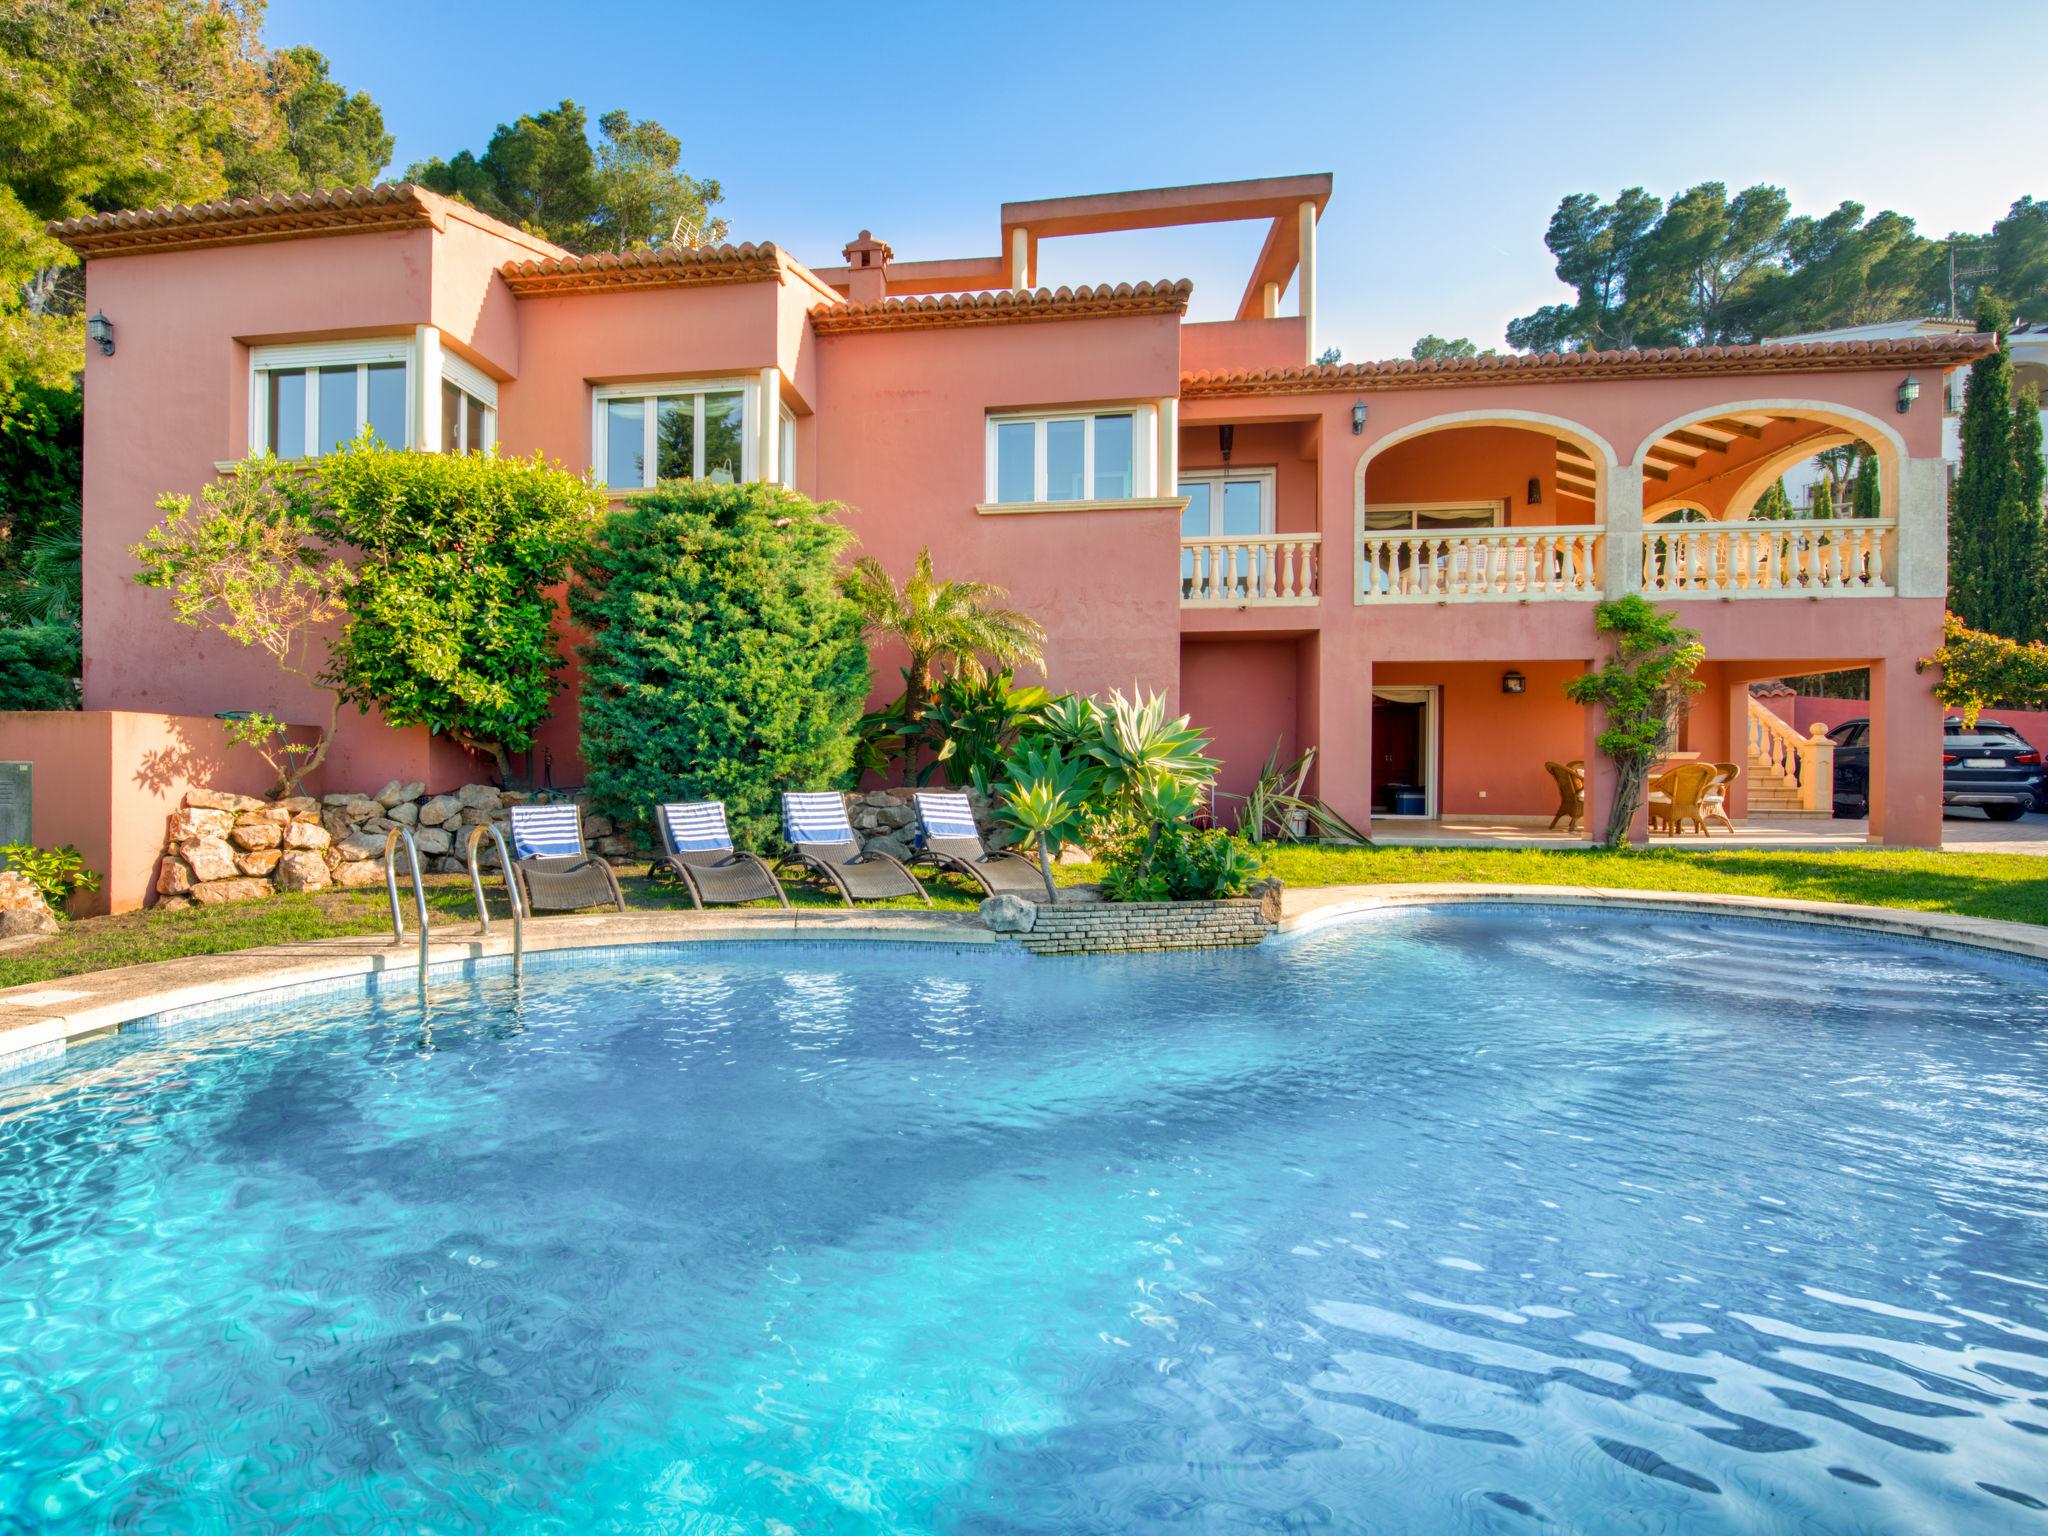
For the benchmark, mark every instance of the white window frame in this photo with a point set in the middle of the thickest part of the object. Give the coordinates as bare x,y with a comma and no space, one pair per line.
1496,509
482,388
1144,453
1215,479
749,391
785,453
312,356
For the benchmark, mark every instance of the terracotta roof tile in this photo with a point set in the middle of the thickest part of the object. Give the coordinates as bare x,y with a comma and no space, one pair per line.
1564,367
242,220
671,267
1010,306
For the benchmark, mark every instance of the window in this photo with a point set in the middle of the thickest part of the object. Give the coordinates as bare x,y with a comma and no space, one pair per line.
1435,516
469,407
1224,506
676,431
311,398
1092,456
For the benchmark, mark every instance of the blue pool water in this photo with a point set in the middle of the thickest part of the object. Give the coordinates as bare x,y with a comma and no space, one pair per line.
1445,1221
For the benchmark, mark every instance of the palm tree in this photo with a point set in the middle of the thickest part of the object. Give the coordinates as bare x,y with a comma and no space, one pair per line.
942,623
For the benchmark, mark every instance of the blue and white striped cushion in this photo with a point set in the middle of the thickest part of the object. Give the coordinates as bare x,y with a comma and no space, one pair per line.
815,817
697,826
546,832
943,814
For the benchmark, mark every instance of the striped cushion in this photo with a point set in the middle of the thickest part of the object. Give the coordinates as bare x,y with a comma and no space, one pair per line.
815,817
940,814
696,826
546,832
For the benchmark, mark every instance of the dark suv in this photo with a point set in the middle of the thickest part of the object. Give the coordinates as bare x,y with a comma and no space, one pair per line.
1991,767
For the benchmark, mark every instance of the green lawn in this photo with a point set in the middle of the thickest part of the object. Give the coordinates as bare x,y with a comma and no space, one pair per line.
2009,886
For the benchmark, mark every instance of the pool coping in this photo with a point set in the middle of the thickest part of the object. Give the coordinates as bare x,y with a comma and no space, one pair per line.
47,1014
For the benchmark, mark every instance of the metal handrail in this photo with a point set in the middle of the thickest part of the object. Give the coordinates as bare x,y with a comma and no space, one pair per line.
419,892
476,882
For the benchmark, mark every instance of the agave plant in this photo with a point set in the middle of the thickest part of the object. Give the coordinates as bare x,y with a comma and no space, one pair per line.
1276,799
1045,796
1139,750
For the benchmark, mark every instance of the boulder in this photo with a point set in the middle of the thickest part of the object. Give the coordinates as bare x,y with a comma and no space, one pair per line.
359,845
449,867
216,800
187,824
302,834
338,800
22,922
380,824
261,861
362,810
301,870
362,872
213,892
482,797
439,809
254,834
271,813
405,813
598,826
210,857
1009,914
515,797
1268,892
173,876
399,792
433,841
336,821
298,805
173,904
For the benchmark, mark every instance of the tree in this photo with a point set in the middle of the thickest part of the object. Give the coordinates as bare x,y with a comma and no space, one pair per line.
1329,357
326,136
42,449
39,667
1774,506
2018,247
537,173
1435,349
451,623
723,663
249,565
1642,690
1996,538
1823,506
644,200
943,624
1868,497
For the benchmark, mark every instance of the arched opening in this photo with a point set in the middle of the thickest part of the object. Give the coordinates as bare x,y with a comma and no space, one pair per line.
1725,460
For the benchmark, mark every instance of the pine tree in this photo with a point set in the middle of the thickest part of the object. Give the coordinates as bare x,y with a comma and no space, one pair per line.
1823,500
2030,484
1984,496
1866,500
1774,506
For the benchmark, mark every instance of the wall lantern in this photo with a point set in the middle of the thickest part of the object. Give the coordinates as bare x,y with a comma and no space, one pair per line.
1513,682
101,330
1358,418
1224,437
1535,492
1909,391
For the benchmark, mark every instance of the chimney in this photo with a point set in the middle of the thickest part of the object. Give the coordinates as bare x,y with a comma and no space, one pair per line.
867,260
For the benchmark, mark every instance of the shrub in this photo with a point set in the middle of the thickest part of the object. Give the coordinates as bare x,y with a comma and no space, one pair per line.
39,667
1178,864
56,872
1642,689
723,662
451,623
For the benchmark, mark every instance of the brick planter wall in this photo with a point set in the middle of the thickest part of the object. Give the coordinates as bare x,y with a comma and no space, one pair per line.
1109,928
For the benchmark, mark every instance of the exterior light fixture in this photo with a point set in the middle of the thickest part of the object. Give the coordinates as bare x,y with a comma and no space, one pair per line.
1909,391
101,330
1535,492
1513,682
1224,437
1358,418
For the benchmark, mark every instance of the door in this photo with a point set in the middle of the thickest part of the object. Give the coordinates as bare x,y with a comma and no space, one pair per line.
1404,752
1224,506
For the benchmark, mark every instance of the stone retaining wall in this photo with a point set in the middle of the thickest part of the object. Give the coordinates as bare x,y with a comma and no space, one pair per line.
1108,928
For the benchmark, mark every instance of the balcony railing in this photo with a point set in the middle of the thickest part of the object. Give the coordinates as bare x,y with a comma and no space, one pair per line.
1769,559
1480,565
1266,570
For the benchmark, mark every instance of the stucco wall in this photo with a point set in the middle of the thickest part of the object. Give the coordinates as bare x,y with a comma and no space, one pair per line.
1246,695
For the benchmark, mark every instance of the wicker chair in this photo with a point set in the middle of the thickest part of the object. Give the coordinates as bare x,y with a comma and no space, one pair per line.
553,867
1675,796
697,850
821,840
945,827
1714,803
1570,779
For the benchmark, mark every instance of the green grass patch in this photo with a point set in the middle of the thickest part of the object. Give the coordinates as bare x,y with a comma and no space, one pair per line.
2010,886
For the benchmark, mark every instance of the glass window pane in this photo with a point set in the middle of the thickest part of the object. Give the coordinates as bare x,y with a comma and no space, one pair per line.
1016,467
1389,517
1462,517
451,418
1065,460
787,452
1244,507
288,413
675,438
725,421
1112,458
387,403
624,448
337,407
1194,523
475,439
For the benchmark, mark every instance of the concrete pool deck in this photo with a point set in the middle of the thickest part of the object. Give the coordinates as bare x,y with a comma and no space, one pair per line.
44,1015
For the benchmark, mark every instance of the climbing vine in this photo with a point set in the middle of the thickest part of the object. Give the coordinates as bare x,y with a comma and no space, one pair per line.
1642,692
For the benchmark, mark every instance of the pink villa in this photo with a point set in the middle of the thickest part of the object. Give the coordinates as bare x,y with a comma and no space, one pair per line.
1394,562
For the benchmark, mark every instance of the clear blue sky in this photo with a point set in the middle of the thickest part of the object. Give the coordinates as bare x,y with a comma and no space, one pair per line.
1452,128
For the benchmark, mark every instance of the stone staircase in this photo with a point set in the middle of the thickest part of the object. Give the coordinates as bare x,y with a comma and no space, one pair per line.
1772,794
1773,749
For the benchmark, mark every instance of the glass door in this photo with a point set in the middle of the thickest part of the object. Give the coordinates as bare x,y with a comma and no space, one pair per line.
1225,506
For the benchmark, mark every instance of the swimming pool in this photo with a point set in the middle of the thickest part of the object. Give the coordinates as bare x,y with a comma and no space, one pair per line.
1509,1219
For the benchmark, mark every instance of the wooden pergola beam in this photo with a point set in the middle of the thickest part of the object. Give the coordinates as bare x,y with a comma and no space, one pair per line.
1696,440
1731,425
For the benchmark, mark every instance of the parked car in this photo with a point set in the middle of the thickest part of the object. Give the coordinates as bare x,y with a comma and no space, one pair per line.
1999,727
1991,767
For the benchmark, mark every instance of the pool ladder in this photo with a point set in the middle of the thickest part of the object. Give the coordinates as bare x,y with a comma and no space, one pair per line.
403,834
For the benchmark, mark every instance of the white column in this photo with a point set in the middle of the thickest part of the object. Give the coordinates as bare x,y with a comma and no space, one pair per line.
768,457
1621,517
1020,258
426,389
1918,560
1169,447
1269,302
1305,279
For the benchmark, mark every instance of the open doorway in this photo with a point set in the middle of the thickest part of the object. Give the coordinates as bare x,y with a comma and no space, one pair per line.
1404,752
